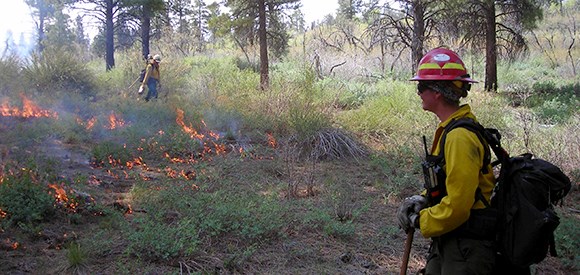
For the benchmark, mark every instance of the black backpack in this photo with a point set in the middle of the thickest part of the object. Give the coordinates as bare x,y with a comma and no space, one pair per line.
142,75
144,71
526,190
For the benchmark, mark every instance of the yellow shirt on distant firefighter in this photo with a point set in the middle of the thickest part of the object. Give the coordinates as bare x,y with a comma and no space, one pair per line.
152,70
464,156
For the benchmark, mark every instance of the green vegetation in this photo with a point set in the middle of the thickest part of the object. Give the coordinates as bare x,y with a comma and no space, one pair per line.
77,258
25,201
219,176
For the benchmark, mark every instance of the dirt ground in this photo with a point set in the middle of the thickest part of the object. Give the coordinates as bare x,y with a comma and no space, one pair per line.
374,250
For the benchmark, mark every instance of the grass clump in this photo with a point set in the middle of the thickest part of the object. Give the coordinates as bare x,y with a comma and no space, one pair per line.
567,242
60,71
109,153
77,257
156,240
326,220
199,219
326,144
386,115
9,79
400,171
24,201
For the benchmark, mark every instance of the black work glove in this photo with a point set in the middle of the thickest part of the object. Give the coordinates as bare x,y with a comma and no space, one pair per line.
408,214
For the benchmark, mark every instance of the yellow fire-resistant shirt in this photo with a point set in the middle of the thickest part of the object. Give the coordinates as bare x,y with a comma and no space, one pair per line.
151,71
464,156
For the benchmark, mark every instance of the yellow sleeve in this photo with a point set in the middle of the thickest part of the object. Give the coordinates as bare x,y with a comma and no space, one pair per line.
464,158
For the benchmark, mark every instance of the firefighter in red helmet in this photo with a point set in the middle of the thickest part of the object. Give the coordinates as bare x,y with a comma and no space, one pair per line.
451,209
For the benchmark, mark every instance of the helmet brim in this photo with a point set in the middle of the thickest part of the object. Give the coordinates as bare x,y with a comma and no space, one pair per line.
442,78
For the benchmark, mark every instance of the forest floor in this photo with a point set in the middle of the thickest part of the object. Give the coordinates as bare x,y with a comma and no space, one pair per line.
377,246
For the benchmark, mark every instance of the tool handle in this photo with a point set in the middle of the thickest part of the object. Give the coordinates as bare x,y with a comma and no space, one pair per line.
408,244
133,83
425,145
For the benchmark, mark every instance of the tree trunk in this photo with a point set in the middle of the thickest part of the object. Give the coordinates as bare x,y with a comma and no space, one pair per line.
41,31
264,77
109,37
145,30
201,43
490,47
418,34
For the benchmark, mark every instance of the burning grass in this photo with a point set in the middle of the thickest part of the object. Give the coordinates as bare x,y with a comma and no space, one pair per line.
199,211
159,190
28,110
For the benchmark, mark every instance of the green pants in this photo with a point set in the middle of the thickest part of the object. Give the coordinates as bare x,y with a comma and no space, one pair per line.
453,255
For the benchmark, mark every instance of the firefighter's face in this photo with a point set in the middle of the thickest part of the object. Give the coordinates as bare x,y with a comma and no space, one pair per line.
428,96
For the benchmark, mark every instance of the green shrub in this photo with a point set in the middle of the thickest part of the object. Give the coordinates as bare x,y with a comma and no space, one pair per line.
544,88
218,82
397,111
551,103
347,95
549,88
25,201
175,228
10,79
552,111
400,171
567,241
490,109
77,257
322,219
57,71
244,64
516,94
305,122
338,229
109,153
156,240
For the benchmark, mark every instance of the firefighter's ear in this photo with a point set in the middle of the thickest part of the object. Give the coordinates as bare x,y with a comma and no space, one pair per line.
438,95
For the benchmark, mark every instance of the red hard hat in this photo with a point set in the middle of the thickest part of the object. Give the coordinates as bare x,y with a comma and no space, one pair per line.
442,64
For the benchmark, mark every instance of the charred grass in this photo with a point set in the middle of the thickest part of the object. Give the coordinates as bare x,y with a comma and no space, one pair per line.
237,215
299,182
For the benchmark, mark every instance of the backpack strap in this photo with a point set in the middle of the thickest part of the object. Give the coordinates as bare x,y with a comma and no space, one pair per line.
487,136
471,125
479,196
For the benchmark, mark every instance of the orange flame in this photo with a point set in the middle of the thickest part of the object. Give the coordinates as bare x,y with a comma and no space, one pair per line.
114,162
62,198
129,209
9,243
93,180
219,148
175,159
89,124
271,140
209,139
28,110
188,129
170,172
135,162
115,122
189,175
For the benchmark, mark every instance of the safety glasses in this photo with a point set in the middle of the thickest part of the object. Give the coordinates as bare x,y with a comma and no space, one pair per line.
422,87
